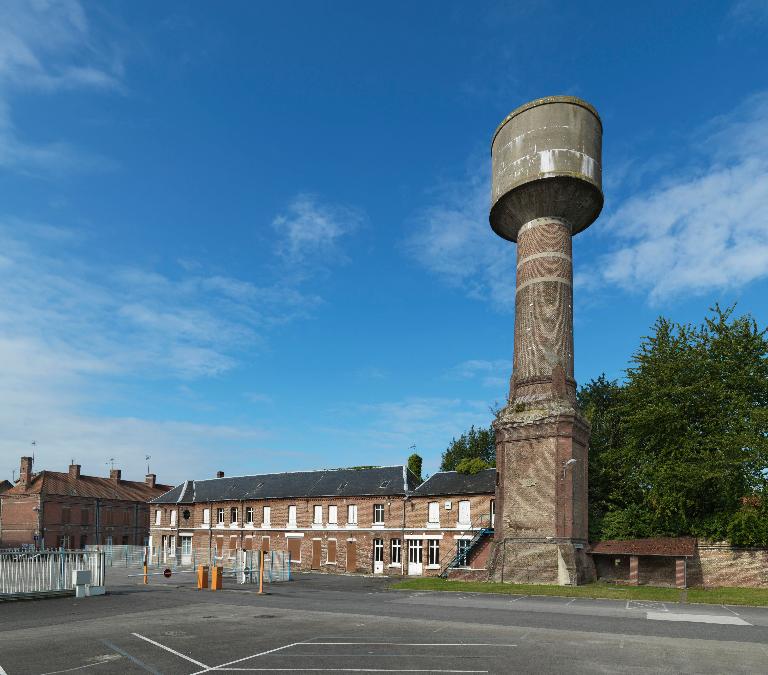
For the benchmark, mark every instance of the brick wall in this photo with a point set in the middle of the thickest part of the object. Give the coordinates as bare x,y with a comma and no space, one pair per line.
226,538
71,521
723,565
18,520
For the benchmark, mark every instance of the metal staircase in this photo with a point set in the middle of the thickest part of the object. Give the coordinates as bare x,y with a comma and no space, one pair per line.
460,556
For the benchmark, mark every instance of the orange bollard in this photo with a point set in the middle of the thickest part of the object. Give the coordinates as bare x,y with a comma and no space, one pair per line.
216,574
146,555
202,577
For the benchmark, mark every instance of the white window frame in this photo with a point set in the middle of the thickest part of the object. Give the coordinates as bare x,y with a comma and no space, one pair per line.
158,517
433,513
415,550
352,514
433,553
186,545
378,550
333,514
233,510
395,552
292,515
378,509
266,516
317,514
206,516
220,515
173,518
249,515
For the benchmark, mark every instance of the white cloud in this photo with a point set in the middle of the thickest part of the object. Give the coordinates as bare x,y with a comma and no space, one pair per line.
453,239
706,228
45,47
492,374
309,232
72,332
699,229
393,426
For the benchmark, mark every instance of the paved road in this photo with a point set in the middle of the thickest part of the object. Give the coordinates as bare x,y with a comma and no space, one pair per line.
323,623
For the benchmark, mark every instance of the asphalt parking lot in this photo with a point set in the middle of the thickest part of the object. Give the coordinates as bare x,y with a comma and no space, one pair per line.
324,623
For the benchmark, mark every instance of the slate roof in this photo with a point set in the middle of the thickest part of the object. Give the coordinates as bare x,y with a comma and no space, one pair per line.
664,546
5,485
384,480
454,483
59,483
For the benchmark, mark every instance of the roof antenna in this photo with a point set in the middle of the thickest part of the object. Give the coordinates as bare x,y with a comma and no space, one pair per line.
34,445
111,462
147,458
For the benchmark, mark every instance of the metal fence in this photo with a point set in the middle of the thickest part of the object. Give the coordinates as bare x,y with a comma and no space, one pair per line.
23,572
239,564
277,567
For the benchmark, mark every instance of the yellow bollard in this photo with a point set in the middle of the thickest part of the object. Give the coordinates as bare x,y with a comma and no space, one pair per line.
146,577
202,577
216,574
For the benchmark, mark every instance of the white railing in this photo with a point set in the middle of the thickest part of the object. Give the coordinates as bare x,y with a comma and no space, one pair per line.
40,571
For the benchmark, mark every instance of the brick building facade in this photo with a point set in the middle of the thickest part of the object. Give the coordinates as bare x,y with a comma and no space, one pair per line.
375,520
53,509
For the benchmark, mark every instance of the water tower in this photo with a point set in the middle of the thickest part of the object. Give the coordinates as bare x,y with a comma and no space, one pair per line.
546,187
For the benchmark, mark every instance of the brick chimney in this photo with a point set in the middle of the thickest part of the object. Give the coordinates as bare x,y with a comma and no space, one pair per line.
150,479
219,474
25,471
114,474
74,471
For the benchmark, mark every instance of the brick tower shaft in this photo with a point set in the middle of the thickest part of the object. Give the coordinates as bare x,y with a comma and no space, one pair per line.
543,310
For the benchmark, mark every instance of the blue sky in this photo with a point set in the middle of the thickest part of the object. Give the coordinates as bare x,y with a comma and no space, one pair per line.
254,237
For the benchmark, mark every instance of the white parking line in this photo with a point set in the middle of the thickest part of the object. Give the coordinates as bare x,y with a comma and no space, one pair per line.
349,670
228,664
245,658
173,651
413,644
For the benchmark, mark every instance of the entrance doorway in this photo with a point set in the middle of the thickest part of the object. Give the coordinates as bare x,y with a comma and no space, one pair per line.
316,543
415,566
378,556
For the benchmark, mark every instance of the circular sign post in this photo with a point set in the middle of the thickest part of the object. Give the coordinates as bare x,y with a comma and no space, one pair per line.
167,573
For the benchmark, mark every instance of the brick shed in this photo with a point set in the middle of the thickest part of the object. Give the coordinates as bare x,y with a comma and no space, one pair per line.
661,561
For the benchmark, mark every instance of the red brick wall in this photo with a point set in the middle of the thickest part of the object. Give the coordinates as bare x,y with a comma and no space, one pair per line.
61,517
723,565
227,539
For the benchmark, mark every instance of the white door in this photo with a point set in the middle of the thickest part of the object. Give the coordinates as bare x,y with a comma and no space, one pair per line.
378,556
414,557
186,550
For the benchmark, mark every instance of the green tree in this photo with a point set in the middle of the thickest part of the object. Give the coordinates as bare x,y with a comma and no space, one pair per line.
414,466
599,401
686,439
471,465
474,444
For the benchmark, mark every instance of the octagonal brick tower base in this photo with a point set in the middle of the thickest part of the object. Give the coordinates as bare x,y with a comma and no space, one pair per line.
541,509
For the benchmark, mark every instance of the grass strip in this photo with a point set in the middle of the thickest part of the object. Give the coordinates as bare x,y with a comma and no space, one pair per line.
717,596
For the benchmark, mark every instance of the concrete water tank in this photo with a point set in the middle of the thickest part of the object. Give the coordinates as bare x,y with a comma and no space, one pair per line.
546,162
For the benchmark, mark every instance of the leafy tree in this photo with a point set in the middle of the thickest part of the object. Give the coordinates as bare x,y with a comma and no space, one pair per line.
414,466
599,400
471,465
474,444
680,446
